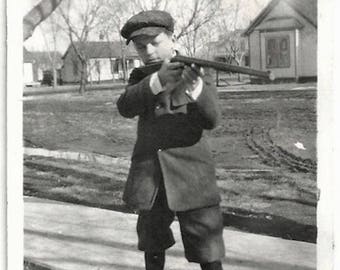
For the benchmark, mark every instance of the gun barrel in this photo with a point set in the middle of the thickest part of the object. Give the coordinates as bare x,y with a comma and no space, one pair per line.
223,66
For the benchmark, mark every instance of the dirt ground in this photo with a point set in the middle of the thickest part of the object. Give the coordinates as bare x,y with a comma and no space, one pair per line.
264,149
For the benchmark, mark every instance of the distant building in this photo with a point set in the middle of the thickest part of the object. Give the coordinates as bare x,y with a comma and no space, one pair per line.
104,61
36,63
28,67
43,62
283,38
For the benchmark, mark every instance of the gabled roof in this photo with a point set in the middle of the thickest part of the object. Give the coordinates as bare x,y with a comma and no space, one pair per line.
41,58
306,8
280,23
102,49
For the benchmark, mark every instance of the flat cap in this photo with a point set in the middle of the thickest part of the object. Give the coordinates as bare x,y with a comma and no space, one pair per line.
150,23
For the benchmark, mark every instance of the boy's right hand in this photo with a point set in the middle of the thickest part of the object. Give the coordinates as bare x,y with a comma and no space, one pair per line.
170,72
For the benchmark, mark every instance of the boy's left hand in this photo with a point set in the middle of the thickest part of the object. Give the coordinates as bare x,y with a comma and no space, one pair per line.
191,75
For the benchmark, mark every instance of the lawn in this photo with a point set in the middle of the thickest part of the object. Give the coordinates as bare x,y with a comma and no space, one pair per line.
265,177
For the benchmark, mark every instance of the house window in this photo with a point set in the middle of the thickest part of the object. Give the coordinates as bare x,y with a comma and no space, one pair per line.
277,52
114,66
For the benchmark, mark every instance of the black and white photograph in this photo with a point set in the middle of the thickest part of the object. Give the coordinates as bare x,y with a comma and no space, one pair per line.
171,135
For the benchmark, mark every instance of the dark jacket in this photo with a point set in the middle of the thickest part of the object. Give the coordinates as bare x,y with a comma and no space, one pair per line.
171,145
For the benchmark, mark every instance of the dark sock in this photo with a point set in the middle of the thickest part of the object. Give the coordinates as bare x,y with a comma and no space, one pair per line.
154,260
217,265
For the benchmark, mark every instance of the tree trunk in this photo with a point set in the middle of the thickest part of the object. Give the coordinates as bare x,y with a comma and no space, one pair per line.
54,69
217,84
82,86
124,68
113,64
238,74
55,77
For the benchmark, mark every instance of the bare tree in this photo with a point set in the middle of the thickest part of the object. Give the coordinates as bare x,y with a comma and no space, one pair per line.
234,46
79,22
151,4
115,14
193,16
203,21
236,13
190,16
38,14
52,34
207,39
230,37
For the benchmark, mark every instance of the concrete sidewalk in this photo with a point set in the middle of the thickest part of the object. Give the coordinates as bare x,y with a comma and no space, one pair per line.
67,236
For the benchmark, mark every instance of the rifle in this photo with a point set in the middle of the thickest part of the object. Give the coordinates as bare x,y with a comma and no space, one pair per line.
164,106
215,65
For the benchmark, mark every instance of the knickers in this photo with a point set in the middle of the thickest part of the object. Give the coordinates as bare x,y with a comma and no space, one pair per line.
201,230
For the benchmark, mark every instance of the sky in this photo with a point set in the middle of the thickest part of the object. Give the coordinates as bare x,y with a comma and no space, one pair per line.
38,43
28,4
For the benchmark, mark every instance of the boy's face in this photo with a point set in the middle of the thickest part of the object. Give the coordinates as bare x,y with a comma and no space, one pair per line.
154,48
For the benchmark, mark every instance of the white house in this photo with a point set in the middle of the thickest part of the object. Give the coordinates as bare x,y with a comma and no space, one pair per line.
28,67
104,61
283,39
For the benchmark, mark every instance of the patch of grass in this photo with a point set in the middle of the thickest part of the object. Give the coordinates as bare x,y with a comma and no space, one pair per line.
88,123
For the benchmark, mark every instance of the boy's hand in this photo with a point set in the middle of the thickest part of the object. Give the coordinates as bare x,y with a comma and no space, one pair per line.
170,72
191,75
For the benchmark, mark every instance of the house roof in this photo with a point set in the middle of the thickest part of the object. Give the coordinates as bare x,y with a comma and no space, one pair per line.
42,58
102,49
280,23
306,8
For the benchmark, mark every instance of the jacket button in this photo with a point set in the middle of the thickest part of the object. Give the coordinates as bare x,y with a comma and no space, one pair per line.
159,150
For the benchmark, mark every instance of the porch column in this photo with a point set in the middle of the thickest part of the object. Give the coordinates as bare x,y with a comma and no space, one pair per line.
296,50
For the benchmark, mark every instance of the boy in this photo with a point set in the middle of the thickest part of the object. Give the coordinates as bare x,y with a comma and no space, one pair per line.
172,171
